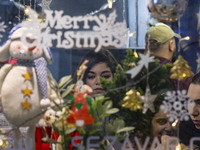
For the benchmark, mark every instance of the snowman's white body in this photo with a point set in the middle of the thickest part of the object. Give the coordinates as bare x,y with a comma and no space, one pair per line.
13,98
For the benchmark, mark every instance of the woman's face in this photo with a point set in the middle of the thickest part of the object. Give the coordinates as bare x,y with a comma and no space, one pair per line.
100,70
161,125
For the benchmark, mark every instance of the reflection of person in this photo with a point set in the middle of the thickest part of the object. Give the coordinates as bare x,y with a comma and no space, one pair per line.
155,124
93,66
191,128
161,125
160,40
100,65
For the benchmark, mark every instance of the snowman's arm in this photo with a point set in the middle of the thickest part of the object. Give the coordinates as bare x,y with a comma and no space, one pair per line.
3,72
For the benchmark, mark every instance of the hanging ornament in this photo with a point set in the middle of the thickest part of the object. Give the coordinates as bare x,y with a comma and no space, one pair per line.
180,70
45,4
144,61
80,110
148,100
132,100
167,10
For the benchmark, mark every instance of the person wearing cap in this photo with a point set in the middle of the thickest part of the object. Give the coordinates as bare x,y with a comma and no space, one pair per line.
160,41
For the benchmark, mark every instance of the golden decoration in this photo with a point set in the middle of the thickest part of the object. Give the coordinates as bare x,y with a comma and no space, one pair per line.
3,143
26,104
180,70
81,70
135,54
26,76
178,147
132,100
27,91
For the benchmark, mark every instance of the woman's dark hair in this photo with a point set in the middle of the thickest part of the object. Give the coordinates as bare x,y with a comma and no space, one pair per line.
196,78
94,58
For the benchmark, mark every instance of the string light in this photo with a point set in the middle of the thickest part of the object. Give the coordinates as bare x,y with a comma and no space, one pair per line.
102,8
30,4
186,38
174,123
178,147
110,3
131,34
24,5
182,39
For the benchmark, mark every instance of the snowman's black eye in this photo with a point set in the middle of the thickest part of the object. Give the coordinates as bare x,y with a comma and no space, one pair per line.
15,39
29,40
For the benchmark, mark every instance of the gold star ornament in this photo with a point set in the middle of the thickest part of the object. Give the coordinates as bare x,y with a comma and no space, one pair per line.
26,104
26,76
27,91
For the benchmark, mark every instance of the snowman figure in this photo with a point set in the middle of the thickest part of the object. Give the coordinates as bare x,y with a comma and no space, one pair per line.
25,91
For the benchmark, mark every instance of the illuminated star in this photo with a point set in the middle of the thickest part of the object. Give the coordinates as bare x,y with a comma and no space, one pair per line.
26,76
26,104
144,61
27,91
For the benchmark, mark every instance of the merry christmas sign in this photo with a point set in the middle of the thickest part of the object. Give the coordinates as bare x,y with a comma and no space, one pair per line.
80,31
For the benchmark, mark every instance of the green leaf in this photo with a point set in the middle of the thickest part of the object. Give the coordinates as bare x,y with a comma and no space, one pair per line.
126,129
64,81
66,92
70,130
108,104
112,111
100,109
98,124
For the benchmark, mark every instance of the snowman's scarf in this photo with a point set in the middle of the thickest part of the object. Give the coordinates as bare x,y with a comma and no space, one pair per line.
40,66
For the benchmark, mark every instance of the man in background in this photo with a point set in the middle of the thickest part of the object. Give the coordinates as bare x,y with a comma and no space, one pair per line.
160,41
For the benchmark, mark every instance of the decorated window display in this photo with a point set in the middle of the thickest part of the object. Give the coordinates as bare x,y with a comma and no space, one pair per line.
71,79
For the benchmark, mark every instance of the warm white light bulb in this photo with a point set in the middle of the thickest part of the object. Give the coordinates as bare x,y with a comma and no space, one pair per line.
186,38
131,34
110,2
178,147
174,123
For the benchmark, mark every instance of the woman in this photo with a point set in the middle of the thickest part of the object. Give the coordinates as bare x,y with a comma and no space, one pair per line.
153,125
100,64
